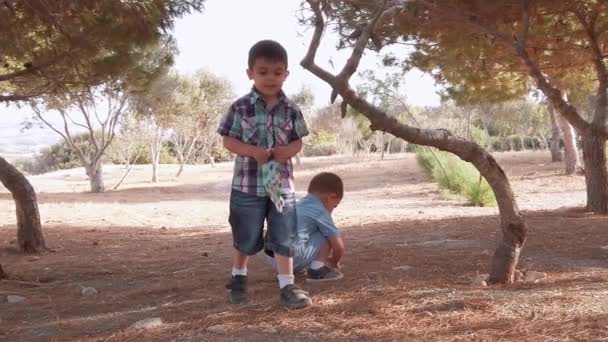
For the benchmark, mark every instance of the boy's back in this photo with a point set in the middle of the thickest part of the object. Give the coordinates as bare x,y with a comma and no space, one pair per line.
313,218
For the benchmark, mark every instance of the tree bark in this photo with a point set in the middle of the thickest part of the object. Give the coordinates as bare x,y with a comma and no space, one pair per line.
512,223
382,146
571,155
155,149
95,174
556,153
154,152
29,230
596,174
180,170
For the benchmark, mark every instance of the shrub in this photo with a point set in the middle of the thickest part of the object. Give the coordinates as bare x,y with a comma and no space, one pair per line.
456,176
321,150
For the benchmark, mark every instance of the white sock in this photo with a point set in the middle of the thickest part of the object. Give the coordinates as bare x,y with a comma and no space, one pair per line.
240,272
285,279
316,264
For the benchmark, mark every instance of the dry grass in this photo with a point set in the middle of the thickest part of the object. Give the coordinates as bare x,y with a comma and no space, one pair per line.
392,216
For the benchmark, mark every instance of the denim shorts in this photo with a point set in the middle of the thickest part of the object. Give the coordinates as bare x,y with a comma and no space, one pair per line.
304,253
247,215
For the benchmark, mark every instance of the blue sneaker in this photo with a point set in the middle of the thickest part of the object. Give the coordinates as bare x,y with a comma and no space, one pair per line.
237,290
322,274
293,297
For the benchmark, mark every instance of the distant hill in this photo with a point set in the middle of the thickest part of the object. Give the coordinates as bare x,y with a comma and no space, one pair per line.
15,143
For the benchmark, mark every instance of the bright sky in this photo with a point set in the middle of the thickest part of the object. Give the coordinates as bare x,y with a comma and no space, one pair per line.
219,38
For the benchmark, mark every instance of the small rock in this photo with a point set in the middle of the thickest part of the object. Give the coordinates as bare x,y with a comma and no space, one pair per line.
163,228
307,334
147,323
217,329
403,268
486,252
95,243
34,258
12,299
478,282
205,254
534,277
604,248
270,330
88,291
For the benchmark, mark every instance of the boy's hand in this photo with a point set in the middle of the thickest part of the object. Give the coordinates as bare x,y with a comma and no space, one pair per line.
333,264
281,154
261,155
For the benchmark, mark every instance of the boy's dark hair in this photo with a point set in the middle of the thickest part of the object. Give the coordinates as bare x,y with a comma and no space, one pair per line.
268,49
328,183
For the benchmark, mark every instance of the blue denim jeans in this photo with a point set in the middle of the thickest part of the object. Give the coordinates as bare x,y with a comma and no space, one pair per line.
247,215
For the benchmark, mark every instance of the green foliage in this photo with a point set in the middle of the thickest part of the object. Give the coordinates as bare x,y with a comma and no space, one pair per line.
54,47
456,176
322,143
322,137
320,150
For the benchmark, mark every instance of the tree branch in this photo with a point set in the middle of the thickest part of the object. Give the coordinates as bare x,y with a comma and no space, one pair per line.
523,36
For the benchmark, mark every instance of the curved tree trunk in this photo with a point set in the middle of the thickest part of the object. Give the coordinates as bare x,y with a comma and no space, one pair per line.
596,174
556,153
29,230
512,223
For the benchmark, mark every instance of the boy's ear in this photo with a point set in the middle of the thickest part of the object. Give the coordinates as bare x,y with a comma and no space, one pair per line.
249,73
286,73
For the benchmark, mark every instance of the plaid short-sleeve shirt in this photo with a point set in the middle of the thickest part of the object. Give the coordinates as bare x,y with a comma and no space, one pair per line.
249,121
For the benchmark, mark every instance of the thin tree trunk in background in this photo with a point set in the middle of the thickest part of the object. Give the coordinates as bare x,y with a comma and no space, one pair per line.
29,230
571,155
556,152
155,149
382,146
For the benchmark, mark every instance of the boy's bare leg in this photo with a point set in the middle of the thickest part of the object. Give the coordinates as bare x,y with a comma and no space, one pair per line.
238,283
323,258
240,262
285,270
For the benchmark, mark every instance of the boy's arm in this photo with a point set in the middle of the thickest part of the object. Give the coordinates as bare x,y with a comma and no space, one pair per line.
283,153
337,246
240,148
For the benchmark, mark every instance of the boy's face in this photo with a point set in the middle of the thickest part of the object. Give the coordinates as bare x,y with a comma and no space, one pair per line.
331,202
268,76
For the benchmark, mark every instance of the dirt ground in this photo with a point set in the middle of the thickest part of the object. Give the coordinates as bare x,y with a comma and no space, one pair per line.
163,250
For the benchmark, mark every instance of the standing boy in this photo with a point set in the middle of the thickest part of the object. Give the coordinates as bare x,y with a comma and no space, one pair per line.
262,126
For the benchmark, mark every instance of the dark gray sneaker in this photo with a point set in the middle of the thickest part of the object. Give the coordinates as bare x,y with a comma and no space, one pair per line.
237,287
293,297
322,274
